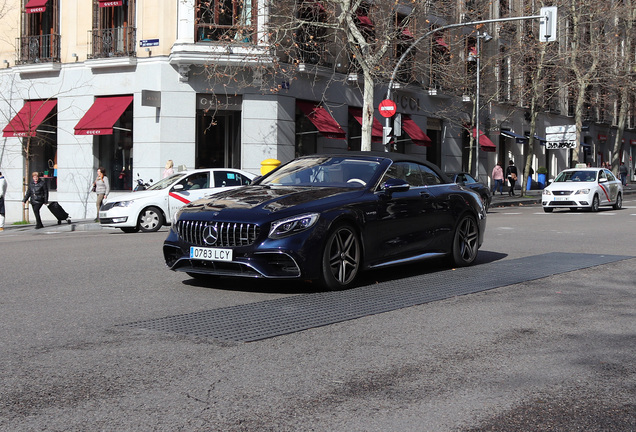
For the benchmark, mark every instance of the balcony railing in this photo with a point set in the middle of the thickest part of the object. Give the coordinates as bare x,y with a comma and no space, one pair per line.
38,49
113,42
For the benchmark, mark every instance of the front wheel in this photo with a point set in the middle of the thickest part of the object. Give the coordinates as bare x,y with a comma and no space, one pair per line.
341,258
547,209
465,242
619,202
150,219
595,204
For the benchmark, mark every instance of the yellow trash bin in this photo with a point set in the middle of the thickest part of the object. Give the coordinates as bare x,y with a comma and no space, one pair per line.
269,164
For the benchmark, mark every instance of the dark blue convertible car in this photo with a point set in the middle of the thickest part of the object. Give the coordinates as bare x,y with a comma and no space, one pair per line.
326,218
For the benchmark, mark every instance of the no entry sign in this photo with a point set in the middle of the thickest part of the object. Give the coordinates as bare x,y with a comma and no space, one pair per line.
387,108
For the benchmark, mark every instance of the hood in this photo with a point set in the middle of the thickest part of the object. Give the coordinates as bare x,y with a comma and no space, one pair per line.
273,198
130,195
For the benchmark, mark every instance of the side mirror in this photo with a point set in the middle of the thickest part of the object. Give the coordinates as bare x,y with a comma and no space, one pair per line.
177,187
395,185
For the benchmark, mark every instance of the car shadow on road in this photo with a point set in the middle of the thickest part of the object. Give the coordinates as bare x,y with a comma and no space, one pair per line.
370,277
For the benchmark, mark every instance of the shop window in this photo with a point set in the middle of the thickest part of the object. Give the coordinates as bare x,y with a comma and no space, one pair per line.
114,32
40,40
116,153
226,21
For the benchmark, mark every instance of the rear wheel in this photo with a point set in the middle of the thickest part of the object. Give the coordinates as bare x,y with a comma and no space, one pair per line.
465,242
150,219
341,258
595,203
619,202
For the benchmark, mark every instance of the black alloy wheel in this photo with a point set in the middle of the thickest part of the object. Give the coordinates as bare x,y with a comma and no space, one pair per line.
465,242
341,258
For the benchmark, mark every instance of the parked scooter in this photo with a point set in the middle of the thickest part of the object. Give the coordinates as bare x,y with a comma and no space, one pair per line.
141,185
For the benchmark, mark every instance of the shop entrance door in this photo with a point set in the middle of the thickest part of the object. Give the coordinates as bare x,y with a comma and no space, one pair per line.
218,143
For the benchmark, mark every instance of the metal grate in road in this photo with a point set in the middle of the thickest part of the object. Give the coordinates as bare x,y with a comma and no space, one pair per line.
262,320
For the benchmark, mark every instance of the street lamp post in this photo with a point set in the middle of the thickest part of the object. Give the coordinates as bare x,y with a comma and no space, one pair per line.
486,37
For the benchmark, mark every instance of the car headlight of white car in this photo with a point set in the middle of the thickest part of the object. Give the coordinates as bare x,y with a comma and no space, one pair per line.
123,203
546,192
285,227
582,192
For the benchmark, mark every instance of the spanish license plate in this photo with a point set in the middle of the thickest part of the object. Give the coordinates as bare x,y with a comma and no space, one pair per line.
210,254
565,198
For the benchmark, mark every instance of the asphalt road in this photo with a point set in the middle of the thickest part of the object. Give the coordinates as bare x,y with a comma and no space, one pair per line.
552,354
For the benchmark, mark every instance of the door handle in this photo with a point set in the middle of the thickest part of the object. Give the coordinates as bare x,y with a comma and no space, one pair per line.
425,194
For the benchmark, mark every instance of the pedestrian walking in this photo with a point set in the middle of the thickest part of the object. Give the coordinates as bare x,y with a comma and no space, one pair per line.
498,178
511,174
168,170
3,191
622,172
101,186
38,194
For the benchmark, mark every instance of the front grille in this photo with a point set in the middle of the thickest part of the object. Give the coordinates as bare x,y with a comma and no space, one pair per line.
565,192
228,234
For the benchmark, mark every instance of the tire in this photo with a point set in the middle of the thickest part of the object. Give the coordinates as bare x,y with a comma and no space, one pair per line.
619,202
341,258
595,204
130,230
548,209
465,242
150,219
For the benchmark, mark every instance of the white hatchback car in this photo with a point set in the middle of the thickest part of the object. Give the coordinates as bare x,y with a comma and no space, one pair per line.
150,209
583,188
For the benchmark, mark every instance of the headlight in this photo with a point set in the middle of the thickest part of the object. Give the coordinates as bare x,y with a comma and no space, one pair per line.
175,218
582,192
123,203
292,225
546,192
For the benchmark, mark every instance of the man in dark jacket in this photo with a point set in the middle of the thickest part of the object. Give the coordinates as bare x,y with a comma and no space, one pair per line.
39,194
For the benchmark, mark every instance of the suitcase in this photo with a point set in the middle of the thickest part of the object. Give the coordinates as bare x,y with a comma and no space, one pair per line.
58,212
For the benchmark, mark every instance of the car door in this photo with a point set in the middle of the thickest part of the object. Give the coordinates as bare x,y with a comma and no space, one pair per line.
614,185
400,228
188,189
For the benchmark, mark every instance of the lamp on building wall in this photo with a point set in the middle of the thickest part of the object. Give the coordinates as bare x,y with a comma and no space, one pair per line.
6,62
476,57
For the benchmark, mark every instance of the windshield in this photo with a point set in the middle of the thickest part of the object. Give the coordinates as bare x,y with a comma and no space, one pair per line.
576,176
324,171
164,183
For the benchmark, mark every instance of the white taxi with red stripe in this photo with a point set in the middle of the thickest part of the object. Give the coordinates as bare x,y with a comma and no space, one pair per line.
150,209
588,188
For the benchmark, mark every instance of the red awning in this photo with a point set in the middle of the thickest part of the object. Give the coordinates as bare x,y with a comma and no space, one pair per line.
441,42
321,118
484,142
109,3
376,131
416,134
101,117
26,121
364,20
35,6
